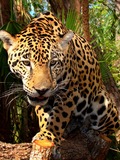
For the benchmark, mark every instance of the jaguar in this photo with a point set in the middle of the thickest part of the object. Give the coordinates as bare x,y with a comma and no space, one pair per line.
61,77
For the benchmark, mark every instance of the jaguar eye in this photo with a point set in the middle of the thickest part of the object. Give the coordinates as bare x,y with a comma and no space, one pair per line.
26,63
53,62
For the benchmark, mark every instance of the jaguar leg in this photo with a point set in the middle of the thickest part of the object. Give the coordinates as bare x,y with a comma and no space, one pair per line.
43,114
53,122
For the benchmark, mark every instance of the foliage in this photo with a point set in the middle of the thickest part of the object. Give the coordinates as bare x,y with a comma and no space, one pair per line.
73,21
12,27
7,78
103,23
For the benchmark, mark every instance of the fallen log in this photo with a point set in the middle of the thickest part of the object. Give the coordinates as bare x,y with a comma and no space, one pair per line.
78,145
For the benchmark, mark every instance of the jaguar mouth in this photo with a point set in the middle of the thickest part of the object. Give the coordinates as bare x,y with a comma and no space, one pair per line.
40,100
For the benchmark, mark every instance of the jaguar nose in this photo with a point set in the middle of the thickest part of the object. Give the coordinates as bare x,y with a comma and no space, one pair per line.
42,92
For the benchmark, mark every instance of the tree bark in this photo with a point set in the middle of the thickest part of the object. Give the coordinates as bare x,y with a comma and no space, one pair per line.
4,11
58,6
22,16
78,146
85,19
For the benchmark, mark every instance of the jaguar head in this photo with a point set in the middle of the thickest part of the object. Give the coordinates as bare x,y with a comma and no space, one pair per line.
39,62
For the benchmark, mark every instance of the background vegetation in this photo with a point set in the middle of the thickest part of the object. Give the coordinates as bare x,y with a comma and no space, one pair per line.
97,21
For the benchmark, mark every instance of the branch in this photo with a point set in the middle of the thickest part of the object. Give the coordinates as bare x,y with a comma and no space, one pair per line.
78,145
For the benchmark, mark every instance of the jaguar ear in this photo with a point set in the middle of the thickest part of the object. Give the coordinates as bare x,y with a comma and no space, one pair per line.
7,39
66,39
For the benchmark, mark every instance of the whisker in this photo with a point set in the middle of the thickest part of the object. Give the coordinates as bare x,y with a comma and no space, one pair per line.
10,92
7,76
5,82
8,104
14,89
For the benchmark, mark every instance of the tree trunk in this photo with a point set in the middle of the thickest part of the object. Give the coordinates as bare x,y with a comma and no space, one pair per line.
4,11
58,6
21,14
85,19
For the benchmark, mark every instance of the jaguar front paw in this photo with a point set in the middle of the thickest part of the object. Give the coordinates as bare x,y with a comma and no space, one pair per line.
42,140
